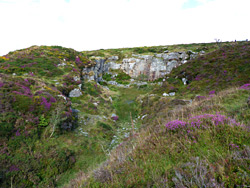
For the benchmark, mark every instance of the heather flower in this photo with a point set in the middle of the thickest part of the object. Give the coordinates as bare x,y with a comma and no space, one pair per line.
18,133
1,84
200,97
13,168
172,125
28,65
67,114
46,104
211,92
78,59
245,86
31,74
232,146
115,118
202,121
74,70
52,99
198,78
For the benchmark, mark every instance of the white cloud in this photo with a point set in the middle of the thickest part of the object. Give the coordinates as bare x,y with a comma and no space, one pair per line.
95,24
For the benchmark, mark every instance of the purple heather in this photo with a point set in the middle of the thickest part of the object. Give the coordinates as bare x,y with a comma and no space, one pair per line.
46,104
201,121
245,86
13,168
211,92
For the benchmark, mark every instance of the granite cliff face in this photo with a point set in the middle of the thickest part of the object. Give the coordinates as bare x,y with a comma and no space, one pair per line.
151,67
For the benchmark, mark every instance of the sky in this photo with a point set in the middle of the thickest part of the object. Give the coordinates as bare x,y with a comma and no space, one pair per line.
102,24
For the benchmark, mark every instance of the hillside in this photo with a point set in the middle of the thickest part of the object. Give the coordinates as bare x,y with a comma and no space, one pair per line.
87,119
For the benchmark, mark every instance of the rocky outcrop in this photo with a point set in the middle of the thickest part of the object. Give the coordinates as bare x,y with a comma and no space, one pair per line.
151,67
96,72
155,66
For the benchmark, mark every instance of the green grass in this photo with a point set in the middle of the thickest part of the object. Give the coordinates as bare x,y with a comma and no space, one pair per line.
156,159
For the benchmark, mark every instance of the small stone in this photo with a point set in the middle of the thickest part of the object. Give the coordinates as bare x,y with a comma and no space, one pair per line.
172,94
110,98
144,116
184,80
76,78
165,95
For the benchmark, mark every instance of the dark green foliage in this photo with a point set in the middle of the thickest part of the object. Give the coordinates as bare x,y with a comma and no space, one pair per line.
122,78
107,77
92,89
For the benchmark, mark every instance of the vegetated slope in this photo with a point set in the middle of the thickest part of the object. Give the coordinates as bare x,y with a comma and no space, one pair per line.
225,67
199,146
127,52
48,138
35,113
203,144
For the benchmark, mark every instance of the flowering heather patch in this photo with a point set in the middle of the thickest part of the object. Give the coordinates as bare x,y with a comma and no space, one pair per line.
1,84
25,90
78,60
200,97
28,65
31,74
211,92
18,133
202,121
52,99
245,86
46,104
13,168
115,118
232,146
197,78
175,124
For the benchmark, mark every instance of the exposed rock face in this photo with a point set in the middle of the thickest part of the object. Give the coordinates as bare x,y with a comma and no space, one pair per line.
75,93
151,66
96,72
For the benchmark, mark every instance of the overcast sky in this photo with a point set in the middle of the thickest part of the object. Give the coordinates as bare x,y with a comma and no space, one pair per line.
96,24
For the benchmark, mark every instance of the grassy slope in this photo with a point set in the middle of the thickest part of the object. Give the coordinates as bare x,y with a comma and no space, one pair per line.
127,52
215,156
